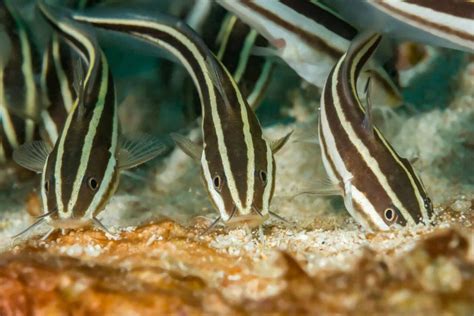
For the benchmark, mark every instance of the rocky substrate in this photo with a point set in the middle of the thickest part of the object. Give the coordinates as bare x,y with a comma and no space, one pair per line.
164,268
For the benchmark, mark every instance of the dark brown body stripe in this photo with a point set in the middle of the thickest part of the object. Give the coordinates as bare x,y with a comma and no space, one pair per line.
395,175
56,108
349,61
307,37
459,8
357,206
230,113
90,90
225,147
231,122
463,35
53,182
101,144
232,52
234,46
418,184
259,147
209,135
14,85
320,16
363,177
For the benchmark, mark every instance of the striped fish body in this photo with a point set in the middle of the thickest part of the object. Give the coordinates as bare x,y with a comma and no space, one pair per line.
57,85
233,43
57,77
380,187
81,172
236,161
234,48
447,23
450,20
309,38
19,96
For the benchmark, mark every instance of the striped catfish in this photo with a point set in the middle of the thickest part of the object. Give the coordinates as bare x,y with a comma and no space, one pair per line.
380,187
81,172
57,77
233,42
309,38
19,95
237,162
447,23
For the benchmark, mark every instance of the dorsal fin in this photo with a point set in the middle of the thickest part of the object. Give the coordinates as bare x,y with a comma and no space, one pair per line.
78,78
215,72
368,109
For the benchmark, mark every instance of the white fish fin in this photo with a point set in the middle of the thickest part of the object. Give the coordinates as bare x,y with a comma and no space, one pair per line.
276,145
313,140
192,149
32,156
136,151
322,187
133,175
368,109
348,198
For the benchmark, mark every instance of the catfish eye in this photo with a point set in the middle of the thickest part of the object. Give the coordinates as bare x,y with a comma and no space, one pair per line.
93,184
217,183
389,214
46,186
263,176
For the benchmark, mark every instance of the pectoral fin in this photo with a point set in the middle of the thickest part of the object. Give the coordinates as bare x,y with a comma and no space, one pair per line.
32,156
276,145
324,187
193,150
136,151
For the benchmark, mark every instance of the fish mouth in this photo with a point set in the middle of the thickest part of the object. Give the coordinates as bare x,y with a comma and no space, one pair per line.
254,219
70,223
